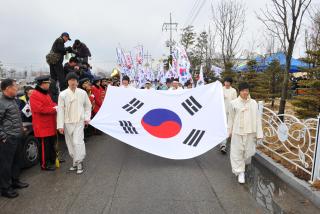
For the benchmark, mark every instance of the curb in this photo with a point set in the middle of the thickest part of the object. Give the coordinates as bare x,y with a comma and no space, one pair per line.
301,186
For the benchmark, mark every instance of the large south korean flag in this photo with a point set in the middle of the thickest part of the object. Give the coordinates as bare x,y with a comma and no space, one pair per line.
177,124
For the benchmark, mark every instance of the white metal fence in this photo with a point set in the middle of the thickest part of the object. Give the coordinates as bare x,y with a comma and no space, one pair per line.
296,141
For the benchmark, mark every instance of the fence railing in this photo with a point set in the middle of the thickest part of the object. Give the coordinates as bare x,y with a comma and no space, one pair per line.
293,140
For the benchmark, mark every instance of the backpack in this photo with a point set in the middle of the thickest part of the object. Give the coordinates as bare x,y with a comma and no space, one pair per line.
53,58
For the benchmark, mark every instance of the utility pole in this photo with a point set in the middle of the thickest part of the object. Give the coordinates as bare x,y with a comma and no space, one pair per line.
170,26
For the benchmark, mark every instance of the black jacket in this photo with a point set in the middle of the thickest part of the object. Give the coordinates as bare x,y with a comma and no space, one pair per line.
82,51
58,47
10,118
68,69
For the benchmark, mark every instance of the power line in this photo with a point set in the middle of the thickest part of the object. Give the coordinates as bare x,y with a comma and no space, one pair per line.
198,12
195,5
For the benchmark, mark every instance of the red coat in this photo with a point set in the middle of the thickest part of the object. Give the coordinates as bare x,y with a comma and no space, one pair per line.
44,115
99,94
91,98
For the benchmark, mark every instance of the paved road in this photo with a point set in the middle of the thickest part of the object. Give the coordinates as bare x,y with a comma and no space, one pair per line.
121,179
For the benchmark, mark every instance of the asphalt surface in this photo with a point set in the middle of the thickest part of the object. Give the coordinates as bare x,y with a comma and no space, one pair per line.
121,179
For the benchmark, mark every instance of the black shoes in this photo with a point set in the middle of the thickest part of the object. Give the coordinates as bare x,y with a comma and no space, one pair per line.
19,185
9,193
223,149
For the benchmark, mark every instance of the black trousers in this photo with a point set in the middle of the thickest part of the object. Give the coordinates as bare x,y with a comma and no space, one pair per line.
54,91
11,159
57,73
47,153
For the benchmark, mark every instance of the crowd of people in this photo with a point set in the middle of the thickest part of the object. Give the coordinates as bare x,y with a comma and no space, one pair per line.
55,104
65,101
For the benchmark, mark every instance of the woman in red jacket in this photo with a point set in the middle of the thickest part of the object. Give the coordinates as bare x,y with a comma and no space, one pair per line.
99,94
44,117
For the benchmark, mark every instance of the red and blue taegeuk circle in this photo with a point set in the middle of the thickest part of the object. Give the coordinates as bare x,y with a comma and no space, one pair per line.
161,123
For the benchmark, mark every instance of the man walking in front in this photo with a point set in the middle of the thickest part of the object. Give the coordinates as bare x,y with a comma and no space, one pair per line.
10,140
245,128
74,112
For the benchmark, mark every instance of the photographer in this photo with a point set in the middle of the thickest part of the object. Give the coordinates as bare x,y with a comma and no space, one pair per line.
81,50
55,59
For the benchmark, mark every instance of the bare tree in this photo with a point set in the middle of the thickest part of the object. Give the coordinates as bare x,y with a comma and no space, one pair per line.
211,42
229,20
211,48
312,34
284,22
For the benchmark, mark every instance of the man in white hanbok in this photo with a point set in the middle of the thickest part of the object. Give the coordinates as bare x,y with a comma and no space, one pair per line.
245,128
74,112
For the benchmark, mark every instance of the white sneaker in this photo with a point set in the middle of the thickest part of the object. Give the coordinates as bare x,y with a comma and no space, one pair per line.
79,168
241,178
73,168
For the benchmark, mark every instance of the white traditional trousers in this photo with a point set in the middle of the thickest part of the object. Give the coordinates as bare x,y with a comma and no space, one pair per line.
74,136
242,148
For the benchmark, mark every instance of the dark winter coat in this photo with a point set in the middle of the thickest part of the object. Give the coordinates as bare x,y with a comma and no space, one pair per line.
82,51
10,118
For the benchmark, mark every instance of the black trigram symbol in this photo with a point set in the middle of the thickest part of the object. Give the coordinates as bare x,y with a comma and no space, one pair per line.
128,127
133,106
194,137
191,105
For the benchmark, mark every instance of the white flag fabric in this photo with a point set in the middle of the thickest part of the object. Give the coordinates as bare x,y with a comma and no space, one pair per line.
175,124
217,71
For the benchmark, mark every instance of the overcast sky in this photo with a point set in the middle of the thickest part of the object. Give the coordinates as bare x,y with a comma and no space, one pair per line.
29,27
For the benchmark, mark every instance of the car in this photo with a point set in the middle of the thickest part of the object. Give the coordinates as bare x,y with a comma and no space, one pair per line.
30,146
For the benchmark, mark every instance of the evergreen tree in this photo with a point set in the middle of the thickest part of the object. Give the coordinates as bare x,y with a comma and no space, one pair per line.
200,51
228,72
188,37
308,103
264,85
273,75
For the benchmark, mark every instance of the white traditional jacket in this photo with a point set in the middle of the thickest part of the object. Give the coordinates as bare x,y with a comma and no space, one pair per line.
244,117
73,107
229,95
